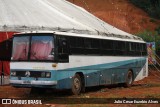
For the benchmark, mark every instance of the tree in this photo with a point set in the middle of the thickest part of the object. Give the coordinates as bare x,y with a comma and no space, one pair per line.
152,7
155,3
150,36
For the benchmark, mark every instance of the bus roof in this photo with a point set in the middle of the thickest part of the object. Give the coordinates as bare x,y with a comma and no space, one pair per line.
107,36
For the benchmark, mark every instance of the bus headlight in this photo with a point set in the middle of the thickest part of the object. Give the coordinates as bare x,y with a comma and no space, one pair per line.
13,73
48,74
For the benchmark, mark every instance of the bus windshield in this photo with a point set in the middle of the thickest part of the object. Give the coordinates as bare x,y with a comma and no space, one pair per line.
33,48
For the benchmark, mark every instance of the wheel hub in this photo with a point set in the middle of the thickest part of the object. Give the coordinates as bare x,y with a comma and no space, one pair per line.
76,83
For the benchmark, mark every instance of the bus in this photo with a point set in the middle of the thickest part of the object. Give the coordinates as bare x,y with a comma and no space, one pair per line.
64,60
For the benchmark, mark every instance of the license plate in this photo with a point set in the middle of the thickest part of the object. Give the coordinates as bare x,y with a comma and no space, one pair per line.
26,82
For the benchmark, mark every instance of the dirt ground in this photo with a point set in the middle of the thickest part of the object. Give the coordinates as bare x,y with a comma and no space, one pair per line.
146,88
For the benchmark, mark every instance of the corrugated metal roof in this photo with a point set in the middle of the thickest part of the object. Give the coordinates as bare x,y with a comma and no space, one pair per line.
52,15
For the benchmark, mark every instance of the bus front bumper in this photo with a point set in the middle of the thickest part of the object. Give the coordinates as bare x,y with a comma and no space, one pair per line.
33,82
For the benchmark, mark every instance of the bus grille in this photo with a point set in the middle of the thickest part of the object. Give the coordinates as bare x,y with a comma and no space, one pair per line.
36,74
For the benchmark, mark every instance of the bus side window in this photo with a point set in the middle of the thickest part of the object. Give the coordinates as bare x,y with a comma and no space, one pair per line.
106,47
88,43
138,49
72,42
144,49
76,45
79,42
132,46
95,43
119,48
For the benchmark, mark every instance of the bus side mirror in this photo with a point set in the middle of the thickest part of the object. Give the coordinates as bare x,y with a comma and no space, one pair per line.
63,43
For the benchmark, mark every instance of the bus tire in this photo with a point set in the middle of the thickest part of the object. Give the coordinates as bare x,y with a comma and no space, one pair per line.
129,79
76,84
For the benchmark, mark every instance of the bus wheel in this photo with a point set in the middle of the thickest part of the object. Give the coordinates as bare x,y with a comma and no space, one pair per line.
76,84
129,79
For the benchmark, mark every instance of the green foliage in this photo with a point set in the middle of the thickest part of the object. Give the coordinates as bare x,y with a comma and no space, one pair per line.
147,36
151,36
152,7
158,30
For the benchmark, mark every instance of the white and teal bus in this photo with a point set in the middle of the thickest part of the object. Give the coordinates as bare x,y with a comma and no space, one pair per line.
64,60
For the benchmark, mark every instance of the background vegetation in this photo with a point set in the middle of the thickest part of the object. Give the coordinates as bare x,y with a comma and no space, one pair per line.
152,7
151,36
